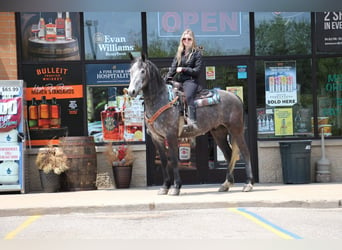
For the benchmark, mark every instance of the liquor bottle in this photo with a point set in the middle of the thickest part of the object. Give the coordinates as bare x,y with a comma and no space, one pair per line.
33,114
50,31
41,33
68,28
60,26
55,114
43,114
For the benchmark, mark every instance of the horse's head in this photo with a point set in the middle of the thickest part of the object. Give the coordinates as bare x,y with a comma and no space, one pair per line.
138,75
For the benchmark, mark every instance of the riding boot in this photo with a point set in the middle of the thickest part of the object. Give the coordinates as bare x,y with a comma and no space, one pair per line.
192,123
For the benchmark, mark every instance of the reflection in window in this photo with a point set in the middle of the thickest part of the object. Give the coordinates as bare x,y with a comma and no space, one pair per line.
329,98
282,33
219,33
111,35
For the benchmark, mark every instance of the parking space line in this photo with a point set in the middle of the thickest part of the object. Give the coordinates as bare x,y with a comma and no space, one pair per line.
21,227
265,223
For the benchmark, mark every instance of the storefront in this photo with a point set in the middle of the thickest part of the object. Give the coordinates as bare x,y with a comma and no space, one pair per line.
286,67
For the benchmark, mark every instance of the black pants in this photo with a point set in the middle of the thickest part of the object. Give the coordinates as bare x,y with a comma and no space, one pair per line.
190,88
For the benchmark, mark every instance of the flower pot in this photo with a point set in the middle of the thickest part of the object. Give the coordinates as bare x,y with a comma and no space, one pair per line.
122,176
50,182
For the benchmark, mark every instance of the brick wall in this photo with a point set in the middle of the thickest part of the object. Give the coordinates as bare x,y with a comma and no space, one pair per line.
8,48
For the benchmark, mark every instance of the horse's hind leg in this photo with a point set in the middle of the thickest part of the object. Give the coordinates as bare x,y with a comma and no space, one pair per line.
220,136
240,141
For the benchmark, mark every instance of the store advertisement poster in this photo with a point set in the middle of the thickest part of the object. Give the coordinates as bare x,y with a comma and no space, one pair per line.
280,83
50,36
55,102
329,31
210,73
283,120
265,121
112,115
237,90
11,135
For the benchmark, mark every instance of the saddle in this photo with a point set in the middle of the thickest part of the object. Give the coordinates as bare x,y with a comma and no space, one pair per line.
204,97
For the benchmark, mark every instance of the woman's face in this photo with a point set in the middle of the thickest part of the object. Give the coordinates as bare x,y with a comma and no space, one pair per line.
187,41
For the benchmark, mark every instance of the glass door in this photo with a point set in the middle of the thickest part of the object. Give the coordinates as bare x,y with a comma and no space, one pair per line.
230,76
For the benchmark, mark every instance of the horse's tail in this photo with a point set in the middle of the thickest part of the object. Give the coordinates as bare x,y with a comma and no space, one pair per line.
235,156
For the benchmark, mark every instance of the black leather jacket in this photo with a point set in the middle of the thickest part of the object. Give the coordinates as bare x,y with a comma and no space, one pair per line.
191,68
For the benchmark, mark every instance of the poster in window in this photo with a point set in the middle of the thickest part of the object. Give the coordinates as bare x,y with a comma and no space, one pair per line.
237,90
54,95
329,31
112,115
50,36
280,83
111,35
283,120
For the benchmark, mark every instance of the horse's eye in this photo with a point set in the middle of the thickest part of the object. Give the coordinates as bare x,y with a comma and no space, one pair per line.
142,71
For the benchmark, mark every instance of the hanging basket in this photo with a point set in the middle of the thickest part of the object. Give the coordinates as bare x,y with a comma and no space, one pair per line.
50,181
122,176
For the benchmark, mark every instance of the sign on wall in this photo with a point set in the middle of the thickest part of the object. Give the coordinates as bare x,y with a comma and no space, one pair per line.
329,31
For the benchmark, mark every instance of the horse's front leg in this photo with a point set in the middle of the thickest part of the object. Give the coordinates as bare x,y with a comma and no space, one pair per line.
173,154
166,176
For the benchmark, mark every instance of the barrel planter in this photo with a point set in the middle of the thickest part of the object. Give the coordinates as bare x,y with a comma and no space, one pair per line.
81,159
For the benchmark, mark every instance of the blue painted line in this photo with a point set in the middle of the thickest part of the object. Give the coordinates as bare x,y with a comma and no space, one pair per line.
270,223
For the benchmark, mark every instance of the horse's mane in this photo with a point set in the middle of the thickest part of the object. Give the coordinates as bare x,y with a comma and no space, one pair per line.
155,81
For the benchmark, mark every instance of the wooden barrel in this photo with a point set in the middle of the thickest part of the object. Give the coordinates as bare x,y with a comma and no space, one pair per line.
64,49
81,159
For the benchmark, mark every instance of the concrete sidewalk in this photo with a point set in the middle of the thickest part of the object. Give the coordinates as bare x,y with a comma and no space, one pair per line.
315,195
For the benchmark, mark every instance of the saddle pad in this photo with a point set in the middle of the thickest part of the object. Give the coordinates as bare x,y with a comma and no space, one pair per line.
214,99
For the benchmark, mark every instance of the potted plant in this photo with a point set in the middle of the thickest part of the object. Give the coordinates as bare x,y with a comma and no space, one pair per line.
51,162
121,159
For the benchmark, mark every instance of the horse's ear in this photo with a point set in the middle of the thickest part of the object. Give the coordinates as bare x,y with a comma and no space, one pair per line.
143,56
131,56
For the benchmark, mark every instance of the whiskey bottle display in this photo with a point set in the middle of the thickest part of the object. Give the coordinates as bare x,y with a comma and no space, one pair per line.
41,33
50,31
60,26
55,114
33,114
68,28
43,114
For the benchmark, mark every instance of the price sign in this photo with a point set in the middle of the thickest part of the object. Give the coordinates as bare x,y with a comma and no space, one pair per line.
9,91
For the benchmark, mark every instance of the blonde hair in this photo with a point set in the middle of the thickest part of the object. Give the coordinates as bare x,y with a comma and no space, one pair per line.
181,46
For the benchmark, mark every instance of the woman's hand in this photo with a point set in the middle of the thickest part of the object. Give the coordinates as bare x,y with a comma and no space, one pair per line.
179,69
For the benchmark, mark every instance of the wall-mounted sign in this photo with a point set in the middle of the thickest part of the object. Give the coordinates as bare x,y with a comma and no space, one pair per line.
329,31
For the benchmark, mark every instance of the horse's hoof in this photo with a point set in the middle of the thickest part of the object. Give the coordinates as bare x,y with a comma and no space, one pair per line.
174,191
223,188
247,187
163,191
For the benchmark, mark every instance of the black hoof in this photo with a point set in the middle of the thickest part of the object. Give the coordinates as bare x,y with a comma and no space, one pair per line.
163,191
175,191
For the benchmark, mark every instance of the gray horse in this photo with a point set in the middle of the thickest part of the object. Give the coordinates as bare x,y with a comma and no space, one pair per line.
164,122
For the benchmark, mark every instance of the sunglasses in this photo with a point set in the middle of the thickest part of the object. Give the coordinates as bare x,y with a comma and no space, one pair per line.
187,39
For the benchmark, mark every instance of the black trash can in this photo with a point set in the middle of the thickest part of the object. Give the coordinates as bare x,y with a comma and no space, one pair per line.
295,159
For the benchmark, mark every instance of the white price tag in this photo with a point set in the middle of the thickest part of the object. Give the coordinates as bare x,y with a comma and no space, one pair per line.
9,91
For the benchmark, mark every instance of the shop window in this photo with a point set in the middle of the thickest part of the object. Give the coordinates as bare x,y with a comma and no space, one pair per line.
284,99
329,96
111,35
112,115
219,33
282,33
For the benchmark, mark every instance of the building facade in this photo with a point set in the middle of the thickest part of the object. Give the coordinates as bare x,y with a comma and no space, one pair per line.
285,66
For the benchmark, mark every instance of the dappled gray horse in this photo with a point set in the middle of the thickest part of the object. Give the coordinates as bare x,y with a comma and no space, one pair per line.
164,122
